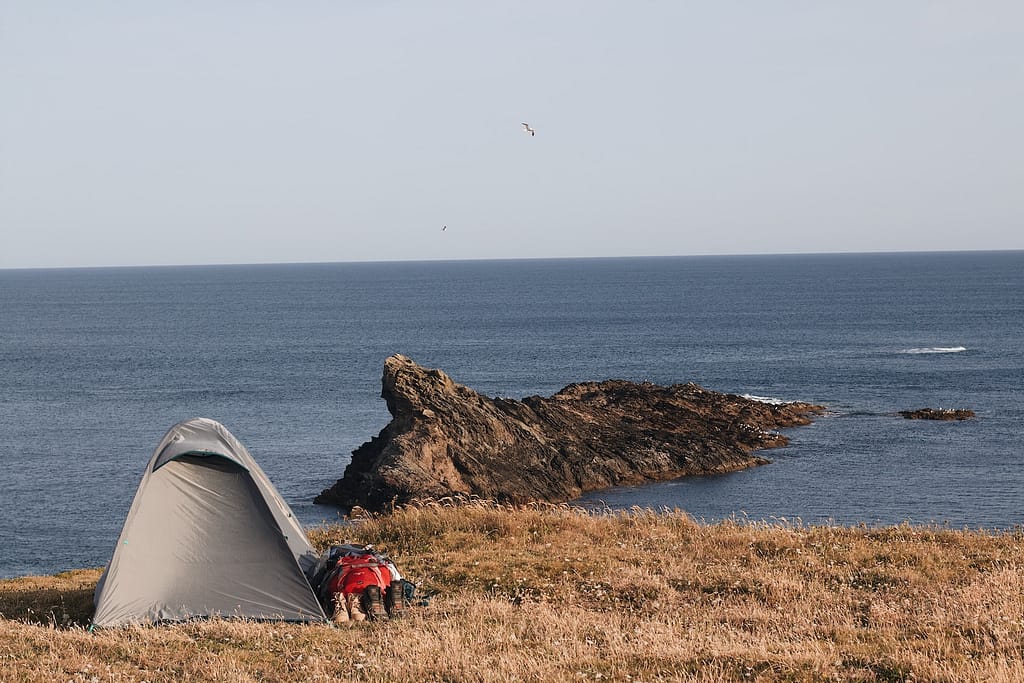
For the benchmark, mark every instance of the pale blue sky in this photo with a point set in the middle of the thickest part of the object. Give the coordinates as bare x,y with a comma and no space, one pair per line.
142,132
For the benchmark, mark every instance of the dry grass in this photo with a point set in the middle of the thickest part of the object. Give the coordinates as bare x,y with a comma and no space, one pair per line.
549,593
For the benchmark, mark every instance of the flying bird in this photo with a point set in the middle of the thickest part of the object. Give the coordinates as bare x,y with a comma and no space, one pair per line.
527,129
443,228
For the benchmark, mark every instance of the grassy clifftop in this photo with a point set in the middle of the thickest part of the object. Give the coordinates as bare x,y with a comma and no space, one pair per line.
553,594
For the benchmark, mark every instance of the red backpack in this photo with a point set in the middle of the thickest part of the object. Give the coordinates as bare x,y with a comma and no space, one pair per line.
354,573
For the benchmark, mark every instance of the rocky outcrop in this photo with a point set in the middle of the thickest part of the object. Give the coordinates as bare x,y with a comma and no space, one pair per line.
938,414
445,439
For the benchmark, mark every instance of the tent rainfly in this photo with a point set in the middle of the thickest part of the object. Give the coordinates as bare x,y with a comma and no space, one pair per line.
207,535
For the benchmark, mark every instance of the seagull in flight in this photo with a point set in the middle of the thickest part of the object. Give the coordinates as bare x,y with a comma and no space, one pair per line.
527,129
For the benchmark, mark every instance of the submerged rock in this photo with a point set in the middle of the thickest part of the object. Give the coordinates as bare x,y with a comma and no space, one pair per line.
445,439
938,414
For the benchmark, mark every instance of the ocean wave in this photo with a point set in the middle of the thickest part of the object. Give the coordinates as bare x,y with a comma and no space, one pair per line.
765,399
936,349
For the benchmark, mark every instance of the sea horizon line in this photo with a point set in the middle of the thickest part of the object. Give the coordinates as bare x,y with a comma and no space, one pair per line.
524,259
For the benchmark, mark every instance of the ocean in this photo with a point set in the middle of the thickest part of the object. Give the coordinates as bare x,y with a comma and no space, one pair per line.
97,364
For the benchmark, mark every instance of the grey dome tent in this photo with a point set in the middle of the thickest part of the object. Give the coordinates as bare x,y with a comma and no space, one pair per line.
207,535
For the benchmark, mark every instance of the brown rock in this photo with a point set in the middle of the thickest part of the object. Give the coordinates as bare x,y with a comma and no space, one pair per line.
938,414
446,439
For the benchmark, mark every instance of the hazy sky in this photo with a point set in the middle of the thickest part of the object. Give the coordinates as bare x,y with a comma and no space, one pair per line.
143,132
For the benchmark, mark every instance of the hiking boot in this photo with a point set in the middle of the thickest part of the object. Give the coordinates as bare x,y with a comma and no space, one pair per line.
355,609
373,604
394,599
340,613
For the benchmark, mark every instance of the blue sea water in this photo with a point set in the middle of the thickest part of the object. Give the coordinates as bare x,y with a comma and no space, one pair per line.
96,364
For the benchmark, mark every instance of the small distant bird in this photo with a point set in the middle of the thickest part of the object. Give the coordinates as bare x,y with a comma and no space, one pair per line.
443,228
527,129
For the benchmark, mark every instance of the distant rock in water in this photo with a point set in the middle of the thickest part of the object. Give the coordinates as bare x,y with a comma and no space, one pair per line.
938,414
445,439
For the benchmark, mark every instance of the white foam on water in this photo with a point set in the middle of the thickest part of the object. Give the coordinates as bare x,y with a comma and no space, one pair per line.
766,399
936,349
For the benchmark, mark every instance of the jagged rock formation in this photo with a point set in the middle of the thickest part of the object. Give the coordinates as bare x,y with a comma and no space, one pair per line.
938,414
446,439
